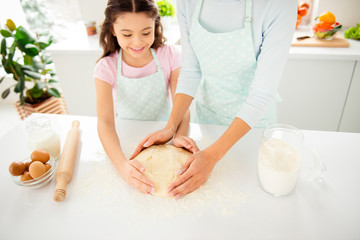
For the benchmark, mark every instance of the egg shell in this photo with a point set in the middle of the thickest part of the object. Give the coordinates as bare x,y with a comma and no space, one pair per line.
40,155
37,169
17,168
27,164
26,176
47,166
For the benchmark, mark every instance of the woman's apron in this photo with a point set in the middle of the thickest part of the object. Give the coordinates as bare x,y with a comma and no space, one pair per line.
143,98
228,63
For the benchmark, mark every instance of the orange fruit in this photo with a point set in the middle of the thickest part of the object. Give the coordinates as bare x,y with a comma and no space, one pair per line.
302,11
298,21
305,5
327,17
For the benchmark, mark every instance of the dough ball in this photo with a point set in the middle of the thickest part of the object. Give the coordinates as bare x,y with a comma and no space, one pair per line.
161,162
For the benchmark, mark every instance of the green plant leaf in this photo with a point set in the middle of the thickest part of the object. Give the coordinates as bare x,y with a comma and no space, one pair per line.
20,86
5,93
38,65
36,91
3,46
27,51
17,68
10,24
33,75
2,78
53,81
54,92
33,48
28,60
24,36
28,67
47,59
12,49
5,33
41,85
44,41
5,64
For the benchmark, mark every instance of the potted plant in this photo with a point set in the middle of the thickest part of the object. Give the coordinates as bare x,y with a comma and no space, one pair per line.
32,70
166,11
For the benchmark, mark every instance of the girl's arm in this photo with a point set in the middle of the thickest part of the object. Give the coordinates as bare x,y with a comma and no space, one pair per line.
130,171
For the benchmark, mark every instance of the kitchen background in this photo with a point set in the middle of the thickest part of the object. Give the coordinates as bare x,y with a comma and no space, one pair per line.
320,86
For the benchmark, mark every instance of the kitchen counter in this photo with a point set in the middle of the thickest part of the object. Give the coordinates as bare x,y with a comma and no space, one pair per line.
231,205
351,53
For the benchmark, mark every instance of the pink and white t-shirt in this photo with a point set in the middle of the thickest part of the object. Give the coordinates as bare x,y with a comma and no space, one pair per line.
169,58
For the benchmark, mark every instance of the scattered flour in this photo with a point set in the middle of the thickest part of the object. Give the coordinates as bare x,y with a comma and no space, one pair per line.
109,192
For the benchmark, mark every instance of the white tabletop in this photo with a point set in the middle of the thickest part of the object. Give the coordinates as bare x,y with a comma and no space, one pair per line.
231,205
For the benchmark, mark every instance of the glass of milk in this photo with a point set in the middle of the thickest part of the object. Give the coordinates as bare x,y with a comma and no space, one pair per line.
280,158
42,136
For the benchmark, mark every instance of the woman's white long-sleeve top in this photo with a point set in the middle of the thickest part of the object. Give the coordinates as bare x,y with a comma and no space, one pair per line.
272,31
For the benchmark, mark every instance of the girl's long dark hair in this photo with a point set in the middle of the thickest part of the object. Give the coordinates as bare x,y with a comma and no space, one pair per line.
117,7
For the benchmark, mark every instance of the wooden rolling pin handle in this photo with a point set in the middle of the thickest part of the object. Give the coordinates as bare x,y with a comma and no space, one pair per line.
75,124
60,191
66,165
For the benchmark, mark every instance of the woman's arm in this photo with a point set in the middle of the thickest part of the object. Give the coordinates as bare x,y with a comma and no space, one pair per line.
181,138
130,171
184,125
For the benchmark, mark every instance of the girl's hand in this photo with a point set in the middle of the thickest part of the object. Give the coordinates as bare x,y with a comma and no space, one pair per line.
132,172
186,142
159,137
194,173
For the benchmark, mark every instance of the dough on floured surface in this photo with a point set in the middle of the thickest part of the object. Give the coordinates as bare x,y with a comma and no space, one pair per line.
161,162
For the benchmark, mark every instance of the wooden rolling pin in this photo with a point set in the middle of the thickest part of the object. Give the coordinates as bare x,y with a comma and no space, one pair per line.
66,165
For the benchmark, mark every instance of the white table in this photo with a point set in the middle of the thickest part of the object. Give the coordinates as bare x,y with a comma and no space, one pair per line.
99,205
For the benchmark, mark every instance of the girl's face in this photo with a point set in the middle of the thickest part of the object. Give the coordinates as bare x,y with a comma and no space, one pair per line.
135,34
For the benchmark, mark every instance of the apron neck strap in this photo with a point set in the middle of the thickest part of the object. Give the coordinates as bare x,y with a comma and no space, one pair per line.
152,53
248,12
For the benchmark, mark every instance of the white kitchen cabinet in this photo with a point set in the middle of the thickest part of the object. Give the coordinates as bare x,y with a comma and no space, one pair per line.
350,121
314,92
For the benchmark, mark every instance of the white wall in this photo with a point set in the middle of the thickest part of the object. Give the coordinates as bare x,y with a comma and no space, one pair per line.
92,10
13,10
347,12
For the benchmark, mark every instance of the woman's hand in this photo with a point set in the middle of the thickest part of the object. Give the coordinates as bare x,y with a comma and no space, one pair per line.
159,137
132,172
185,142
194,173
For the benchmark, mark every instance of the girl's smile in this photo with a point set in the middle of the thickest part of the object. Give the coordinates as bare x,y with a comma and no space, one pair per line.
135,33
137,50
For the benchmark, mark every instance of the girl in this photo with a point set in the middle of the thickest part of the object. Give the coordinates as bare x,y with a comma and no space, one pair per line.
234,53
133,79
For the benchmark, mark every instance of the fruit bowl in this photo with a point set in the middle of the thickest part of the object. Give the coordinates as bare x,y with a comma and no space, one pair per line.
326,27
326,34
39,181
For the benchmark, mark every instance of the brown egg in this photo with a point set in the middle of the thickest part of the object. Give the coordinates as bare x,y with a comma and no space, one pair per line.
47,166
26,176
40,155
17,168
37,169
27,164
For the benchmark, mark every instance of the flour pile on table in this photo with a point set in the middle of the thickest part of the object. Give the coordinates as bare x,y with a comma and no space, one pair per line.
109,192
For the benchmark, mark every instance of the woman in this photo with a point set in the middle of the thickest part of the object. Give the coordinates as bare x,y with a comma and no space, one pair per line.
233,55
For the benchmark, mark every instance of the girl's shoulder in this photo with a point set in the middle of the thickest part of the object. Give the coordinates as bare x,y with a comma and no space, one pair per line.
109,60
169,56
106,67
168,51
